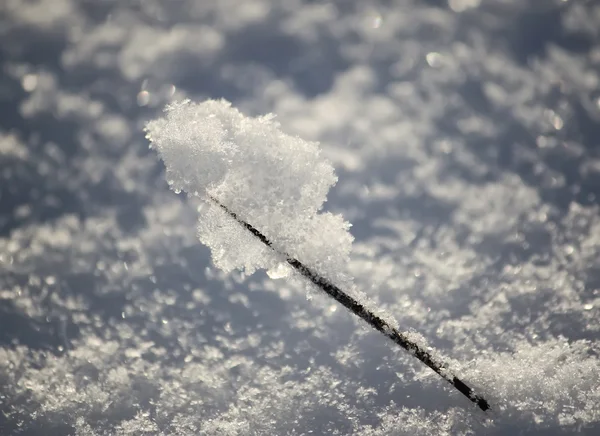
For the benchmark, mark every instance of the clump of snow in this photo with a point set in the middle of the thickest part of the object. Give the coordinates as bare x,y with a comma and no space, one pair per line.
555,383
273,181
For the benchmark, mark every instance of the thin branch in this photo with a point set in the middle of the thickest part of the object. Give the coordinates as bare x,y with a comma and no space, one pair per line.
373,320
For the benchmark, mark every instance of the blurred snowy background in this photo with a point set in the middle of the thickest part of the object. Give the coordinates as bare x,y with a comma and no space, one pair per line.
466,137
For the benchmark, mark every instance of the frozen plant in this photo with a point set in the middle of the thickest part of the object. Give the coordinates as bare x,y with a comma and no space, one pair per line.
264,190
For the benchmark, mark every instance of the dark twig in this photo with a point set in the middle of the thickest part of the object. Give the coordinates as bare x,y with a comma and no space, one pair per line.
373,320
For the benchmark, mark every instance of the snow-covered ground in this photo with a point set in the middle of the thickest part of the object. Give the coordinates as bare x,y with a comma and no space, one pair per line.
466,138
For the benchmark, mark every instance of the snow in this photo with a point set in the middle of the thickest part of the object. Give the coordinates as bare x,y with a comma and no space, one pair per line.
275,182
464,138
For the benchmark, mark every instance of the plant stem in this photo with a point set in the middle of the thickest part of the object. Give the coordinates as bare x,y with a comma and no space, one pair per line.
373,320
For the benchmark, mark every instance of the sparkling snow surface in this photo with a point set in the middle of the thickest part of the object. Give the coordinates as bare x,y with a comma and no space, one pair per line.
465,136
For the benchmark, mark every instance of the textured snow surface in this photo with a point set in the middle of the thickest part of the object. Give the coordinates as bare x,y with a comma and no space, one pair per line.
465,138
